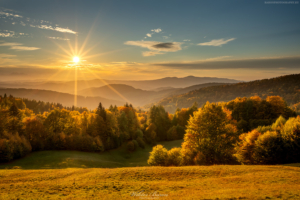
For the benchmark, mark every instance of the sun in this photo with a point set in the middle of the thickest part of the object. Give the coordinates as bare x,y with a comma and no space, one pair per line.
76,59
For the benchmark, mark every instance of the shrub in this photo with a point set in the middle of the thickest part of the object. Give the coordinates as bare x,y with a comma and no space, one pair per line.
130,146
141,142
244,149
136,144
158,156
174,157
270,149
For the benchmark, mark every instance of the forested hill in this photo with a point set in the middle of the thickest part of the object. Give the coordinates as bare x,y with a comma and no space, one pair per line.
287,87
58,97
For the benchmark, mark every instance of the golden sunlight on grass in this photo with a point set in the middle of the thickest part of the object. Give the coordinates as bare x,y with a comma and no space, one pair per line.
197,182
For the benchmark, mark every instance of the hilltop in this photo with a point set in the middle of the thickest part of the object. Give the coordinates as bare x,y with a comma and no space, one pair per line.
287,87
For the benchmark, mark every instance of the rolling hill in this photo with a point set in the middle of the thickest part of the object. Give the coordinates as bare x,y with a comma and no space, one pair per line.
164,83
287,87
58,97
138,97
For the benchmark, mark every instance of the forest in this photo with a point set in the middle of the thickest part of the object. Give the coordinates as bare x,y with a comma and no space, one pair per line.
27,126
288,87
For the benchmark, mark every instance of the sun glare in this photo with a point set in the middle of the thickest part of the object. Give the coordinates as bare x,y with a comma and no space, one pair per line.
76,59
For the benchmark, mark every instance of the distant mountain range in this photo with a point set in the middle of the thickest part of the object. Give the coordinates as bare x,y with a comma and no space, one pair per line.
170,96
287,87
58,97
155,85
138,97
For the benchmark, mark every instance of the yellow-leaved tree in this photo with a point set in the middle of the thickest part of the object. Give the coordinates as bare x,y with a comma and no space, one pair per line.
210,137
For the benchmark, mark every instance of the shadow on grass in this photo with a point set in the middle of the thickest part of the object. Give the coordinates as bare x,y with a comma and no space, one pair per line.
76,159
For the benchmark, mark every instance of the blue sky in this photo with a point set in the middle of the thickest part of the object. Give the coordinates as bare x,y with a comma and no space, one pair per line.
141,39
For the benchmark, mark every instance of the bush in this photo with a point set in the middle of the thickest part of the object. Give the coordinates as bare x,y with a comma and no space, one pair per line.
270,149
13,146
174,157
141,142
139,133
136,144
244,149
158,156
130,146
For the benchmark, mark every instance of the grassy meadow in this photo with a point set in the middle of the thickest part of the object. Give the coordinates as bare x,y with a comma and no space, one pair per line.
196,182
118,174
76,159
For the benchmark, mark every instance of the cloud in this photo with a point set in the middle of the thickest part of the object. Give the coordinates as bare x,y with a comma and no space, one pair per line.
153,31
165,37
64,30
216,43
151,53
41,24
7,58
224,63
24,48
6,35
156,30
58,38
7,14
156,47
59,29
18,46
186,40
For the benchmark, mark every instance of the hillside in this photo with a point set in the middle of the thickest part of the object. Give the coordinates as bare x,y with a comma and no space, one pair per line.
197,182
138,97
287,87
58,97
68,86
126,93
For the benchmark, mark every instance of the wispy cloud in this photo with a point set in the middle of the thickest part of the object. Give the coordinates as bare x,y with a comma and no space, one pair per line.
156,47
186,40
153,31
156,30
41,24
151,53
7,58
58,38
8,14
18,46
216,43
224,62
59,29
7,34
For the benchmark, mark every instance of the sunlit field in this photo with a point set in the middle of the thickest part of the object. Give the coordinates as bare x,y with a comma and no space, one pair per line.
198,182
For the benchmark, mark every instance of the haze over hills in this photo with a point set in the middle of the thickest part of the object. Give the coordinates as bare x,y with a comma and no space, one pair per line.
138,97
58,97
287,87
68,87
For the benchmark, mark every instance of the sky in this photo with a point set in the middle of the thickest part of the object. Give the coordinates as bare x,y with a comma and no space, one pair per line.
148,39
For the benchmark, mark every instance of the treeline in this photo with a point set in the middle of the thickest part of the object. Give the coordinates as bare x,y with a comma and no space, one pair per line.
37,107
23,131
287,87
218,134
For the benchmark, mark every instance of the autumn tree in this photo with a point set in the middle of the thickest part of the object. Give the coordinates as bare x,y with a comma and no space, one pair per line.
210,133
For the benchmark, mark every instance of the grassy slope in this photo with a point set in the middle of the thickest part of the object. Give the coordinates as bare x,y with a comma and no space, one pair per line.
197,182
77,159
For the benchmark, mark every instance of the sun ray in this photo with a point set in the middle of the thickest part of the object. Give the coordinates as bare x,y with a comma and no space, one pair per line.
110,87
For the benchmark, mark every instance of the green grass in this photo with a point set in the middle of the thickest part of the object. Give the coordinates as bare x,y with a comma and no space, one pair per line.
76,159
